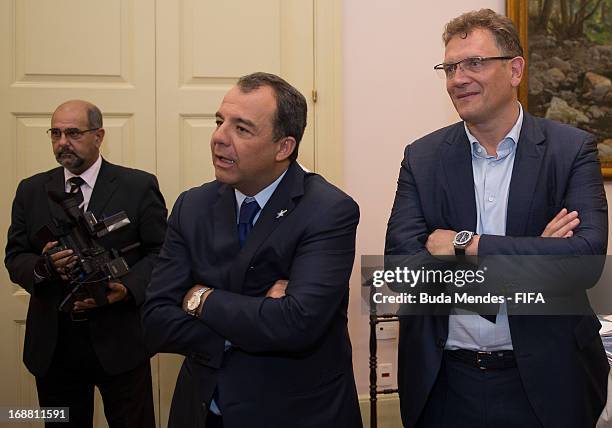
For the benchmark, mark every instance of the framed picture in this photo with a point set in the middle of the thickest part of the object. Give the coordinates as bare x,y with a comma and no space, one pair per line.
568,47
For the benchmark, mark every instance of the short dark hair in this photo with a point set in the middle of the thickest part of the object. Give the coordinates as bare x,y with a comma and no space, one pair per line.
94,117
502,27
291,106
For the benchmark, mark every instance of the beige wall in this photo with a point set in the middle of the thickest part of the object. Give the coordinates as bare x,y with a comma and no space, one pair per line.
391,97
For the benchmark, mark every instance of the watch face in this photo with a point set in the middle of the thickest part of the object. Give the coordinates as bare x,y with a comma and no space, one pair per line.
463,238
193,302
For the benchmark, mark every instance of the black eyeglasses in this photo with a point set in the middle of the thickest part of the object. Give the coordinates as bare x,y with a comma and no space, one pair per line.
70,133
473,64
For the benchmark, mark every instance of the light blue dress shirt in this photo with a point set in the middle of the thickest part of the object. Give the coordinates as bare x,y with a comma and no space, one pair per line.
492,175
262,198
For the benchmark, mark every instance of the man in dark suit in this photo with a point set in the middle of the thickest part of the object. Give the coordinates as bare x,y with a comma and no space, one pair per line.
500,182
88,344
260,315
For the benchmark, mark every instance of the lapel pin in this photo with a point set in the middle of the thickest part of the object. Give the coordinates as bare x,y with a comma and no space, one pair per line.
281,213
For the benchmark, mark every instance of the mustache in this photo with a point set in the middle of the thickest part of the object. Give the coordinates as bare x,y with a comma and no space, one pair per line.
65,151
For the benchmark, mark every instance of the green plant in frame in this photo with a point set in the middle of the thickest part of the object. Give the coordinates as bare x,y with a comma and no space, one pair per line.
568,47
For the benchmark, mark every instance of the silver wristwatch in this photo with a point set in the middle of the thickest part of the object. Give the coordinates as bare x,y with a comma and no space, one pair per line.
461,241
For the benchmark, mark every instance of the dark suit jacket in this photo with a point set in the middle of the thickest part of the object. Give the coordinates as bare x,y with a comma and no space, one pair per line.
561,359
116,330
290,360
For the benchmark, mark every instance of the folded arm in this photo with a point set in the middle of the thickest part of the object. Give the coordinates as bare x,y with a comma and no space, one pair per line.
317,285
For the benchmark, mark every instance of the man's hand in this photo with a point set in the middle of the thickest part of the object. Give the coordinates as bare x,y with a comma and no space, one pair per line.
62,261
117,293
440,242
278,289
562,226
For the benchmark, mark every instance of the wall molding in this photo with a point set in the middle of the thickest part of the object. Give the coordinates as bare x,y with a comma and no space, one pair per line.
387,408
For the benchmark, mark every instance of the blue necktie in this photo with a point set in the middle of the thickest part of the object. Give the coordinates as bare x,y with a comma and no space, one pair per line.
248,211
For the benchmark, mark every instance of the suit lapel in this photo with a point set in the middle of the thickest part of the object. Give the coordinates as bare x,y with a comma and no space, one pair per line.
105,186
56,184
529,155
290,188
225,231
457,167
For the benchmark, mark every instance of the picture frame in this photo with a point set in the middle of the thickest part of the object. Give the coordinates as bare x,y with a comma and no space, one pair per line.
567,93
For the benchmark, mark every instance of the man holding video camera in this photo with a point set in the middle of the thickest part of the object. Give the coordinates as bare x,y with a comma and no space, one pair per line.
89,342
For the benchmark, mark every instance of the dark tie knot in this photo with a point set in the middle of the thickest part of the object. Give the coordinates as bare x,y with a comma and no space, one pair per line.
75,184
248,211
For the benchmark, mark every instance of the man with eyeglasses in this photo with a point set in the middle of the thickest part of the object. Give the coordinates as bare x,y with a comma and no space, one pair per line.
69,352
499,182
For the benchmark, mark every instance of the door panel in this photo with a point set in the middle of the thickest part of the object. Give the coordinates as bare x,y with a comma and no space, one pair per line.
158,71
203,47
55,51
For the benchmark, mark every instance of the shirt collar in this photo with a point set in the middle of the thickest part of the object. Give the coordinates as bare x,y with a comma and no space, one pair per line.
89,176
504,147
263,196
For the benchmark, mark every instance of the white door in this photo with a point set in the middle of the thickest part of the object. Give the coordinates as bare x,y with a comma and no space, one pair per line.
203,46
52,51
158,71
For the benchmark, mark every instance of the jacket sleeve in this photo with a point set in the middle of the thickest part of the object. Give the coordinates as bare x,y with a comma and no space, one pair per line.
407,229
318,283
152,215
21,256
167,327
585,194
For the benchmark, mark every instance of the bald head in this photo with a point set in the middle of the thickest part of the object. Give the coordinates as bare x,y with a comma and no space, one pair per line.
93,113
80,149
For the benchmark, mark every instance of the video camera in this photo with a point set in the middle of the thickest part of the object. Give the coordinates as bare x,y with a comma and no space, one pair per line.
95,265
